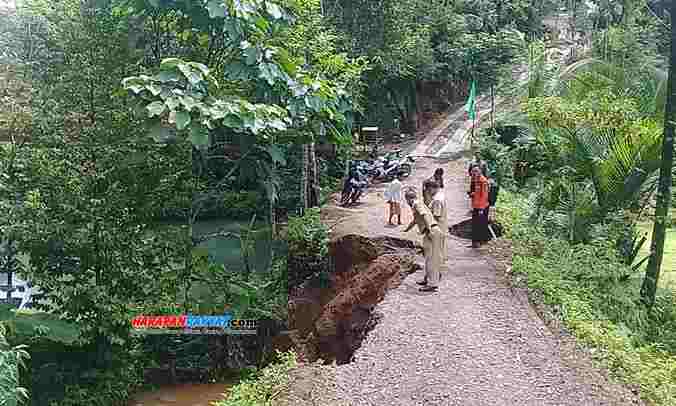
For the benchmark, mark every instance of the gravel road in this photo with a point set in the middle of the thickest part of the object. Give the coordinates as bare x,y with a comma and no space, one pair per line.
474,342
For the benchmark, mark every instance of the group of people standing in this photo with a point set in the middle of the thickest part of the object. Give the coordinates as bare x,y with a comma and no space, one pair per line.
432,220
430,215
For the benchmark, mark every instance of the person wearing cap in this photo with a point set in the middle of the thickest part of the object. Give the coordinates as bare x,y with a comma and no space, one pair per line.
432,237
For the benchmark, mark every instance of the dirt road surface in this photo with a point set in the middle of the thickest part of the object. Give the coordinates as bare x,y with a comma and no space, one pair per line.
475,342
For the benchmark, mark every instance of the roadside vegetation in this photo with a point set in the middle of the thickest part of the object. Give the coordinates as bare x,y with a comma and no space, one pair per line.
580,162
265,387
135,135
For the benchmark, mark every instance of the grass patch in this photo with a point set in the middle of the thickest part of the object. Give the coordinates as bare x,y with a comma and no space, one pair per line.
29,323
585,283
265,386
57,330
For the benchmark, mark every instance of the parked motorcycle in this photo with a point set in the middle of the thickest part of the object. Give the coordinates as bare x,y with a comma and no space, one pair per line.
392,165
354,192
354,188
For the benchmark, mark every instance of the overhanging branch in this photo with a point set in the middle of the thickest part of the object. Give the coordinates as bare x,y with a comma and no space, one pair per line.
218,234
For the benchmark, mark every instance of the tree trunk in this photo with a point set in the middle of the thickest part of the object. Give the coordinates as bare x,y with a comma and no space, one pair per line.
571,21
652,275
313,177
493,107
628,7
304,179
417,107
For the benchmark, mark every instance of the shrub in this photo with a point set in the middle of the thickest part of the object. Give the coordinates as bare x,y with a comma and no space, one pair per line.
11,362
62,374
263,387
587,284
307,236
241,205
308,240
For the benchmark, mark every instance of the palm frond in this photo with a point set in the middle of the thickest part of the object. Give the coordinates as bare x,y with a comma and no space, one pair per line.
632,158
572,70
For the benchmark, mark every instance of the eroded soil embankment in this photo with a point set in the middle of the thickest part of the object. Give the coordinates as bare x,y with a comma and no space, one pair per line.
330,318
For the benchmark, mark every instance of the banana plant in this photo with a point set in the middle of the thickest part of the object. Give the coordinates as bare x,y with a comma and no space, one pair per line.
247,297
12,360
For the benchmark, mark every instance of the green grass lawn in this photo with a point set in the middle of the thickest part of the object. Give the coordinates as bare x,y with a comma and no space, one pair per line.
668,275
25,322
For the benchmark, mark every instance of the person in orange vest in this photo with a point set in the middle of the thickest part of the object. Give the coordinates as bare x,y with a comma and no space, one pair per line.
479,196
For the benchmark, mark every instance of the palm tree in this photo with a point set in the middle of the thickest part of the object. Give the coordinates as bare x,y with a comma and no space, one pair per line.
617,160
644,83
664,188
618,163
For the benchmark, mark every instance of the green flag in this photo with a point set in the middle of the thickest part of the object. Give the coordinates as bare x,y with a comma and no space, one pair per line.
470,106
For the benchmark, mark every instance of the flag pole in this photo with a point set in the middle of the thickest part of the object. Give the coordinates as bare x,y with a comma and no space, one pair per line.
474,119
470,108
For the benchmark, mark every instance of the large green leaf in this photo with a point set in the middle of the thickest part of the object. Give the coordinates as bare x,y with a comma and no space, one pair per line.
274,10
252,55
276,154
156,108
182,119
315,103
170,64
199,136
216,9
168,76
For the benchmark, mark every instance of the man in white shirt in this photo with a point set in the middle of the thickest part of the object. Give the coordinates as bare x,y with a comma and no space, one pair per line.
394,198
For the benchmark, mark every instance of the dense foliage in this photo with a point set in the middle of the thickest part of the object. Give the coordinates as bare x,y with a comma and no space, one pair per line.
583,152
594,293
265,387
414,41
124,123
87,196
12,359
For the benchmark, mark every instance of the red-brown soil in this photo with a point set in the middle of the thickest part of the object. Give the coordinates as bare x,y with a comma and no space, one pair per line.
328,320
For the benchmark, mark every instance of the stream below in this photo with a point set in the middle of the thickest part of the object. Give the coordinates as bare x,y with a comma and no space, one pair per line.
183,395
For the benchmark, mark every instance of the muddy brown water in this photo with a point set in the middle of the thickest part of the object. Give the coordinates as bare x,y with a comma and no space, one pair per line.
183,395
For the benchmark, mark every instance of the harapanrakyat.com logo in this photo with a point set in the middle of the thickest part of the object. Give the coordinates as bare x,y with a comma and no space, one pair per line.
193,324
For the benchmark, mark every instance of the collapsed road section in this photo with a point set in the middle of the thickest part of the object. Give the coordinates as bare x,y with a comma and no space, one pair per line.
330,313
